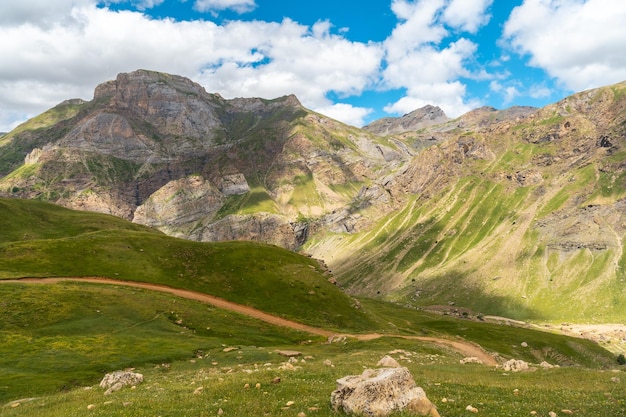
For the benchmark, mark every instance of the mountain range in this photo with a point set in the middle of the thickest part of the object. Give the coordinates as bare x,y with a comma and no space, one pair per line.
517,212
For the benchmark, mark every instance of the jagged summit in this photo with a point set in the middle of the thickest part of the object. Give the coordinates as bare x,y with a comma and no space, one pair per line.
415,120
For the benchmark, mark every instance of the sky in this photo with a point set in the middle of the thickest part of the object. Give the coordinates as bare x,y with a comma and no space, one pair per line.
353,60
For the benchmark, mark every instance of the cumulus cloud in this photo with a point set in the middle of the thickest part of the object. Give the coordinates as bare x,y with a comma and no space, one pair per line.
66,58
580,43
467,15
346,113
240,6
509,92
420,60
38,12
291,58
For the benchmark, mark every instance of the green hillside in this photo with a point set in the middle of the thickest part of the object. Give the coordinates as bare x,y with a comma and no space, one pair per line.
57,338
86,244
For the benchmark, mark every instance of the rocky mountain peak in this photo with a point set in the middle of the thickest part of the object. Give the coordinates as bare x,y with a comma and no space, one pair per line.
423,117
140,79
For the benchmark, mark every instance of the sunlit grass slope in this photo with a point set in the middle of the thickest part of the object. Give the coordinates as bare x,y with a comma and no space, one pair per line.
69,243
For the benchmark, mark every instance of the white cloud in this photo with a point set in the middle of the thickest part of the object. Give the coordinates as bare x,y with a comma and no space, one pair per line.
449,96
240,6
508,93
581,43
38,12
67,58
421,59
467,15
296,60
346,113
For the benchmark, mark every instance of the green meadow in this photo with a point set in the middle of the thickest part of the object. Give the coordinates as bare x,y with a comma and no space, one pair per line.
58,340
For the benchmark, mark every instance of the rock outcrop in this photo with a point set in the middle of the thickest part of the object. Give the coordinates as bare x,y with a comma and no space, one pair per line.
380,392
159,150
117,380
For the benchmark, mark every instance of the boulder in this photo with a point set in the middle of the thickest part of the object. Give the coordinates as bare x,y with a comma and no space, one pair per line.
380,392
471,359
115,381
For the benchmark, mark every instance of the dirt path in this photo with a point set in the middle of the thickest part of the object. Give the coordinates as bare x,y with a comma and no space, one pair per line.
464,348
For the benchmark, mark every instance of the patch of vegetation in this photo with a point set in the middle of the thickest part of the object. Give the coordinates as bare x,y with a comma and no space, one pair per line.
58,337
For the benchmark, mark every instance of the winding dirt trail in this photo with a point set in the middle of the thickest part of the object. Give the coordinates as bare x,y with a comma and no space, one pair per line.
464,348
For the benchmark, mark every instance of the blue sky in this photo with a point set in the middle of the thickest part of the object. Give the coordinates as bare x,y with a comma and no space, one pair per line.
355,61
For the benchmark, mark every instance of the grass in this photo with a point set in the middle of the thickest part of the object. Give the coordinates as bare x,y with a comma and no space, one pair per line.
73,333
87,244
254,201
203,386
55,340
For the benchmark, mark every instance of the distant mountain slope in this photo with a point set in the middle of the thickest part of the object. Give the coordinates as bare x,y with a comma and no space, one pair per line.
418,119
523,218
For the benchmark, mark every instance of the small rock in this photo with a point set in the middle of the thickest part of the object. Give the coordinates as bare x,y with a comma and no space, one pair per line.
229,349
220,412
444,400
301,414
246,386
290,403
15,405
471,359
615,379
568,412
516,392
115,381
378,392
91,406
533,413
276,380
524,344
552,414
388,362
471,409
198,390
257,386
328,362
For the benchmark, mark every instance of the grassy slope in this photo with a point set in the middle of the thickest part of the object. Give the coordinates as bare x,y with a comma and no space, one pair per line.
478,244
72,333
262,276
